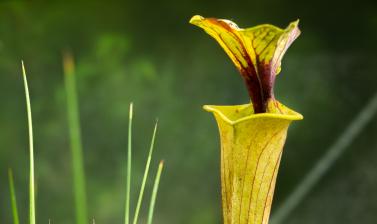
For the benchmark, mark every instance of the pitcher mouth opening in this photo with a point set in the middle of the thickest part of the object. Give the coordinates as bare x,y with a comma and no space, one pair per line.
234,114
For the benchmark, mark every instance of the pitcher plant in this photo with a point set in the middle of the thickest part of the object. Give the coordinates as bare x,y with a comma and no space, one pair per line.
252,135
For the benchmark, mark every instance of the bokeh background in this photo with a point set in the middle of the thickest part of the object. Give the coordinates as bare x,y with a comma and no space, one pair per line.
147,53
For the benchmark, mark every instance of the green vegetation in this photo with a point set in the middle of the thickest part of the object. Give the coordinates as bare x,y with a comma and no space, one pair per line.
145,177
13,198
154,193
31,151
77,157
75,139
129,160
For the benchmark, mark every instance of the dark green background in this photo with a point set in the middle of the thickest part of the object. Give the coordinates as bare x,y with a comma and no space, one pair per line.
146,52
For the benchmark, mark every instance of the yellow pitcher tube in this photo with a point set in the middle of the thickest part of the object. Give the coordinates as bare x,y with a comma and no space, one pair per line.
251,149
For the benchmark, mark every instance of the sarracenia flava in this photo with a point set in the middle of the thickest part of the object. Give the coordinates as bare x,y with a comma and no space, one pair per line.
252,135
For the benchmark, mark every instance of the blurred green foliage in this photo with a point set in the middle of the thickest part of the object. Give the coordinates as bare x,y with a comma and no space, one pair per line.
146,52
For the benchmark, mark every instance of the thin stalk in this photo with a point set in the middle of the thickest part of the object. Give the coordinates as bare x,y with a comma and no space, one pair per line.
154,192
79,188
146,171
13,198
129,159
31,150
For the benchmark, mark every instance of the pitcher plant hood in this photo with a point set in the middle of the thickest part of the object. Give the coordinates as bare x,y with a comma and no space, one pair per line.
256,52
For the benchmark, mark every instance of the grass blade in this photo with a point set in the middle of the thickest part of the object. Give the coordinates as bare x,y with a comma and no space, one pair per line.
75,140
129,159
31,150
154,192
145,177
13,197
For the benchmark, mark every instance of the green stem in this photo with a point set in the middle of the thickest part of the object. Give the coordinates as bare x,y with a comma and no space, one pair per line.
154,192
75,140
13,198
31,150
129,159
146,171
